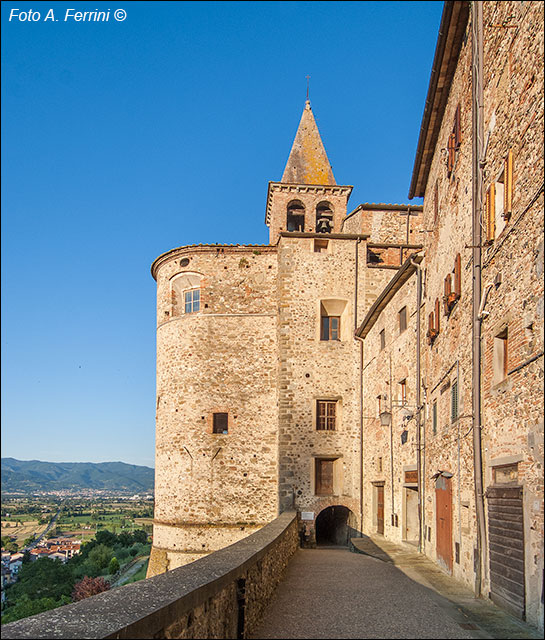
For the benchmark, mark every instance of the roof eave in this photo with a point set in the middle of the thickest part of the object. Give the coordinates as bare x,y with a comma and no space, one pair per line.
449,43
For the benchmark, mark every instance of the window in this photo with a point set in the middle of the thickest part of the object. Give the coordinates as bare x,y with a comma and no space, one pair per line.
454,401
220,423
436,202
324,218
331,312
508,186
454,141
324,476
434,417
295,216
325,415
192,300
402,319
403,391
379,464
500,356
490,213
186,293
330,328
432,331
320,246
382,339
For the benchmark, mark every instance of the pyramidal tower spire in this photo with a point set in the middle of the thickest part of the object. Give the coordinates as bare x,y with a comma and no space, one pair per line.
308,162
307,200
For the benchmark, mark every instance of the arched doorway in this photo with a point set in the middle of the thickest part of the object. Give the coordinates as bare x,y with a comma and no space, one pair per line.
335,526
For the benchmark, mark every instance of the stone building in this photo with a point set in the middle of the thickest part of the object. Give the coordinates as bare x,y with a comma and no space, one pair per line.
381,371
465,436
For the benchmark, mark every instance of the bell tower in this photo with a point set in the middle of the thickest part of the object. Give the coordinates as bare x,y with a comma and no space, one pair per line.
307,199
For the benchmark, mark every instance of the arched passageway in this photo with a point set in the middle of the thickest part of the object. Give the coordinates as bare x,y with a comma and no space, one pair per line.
335,526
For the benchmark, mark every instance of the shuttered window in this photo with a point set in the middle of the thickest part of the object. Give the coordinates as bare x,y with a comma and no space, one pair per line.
490,213
454,140
331,326
436,202
458,276
454,401
324,476
508,186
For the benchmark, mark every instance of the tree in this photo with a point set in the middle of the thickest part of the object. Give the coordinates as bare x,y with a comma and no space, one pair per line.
140,536
29,540
101,556
113,566
26,607
89,587
106,537
43,578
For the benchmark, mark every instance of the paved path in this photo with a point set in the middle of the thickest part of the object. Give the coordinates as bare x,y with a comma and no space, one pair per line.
333,593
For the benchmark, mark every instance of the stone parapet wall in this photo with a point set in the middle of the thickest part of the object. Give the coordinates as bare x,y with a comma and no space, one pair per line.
220,596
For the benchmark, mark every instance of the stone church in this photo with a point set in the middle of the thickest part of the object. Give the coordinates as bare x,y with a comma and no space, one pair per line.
258,371
378,371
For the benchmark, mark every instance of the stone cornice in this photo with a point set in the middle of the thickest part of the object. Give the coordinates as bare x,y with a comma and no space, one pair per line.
208,248
333,189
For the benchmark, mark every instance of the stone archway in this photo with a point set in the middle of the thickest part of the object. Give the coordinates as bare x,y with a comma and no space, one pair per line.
335,525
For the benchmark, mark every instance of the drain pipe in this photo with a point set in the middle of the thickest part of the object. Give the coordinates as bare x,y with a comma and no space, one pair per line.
418,407
477,139
356,284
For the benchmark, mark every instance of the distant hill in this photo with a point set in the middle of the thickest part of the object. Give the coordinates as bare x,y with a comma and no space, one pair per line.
33,475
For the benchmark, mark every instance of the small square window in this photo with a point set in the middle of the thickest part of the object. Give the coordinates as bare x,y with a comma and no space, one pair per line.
402,320
320,246
220,423
325,415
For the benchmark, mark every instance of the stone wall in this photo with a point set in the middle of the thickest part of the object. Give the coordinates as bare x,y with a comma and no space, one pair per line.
221,596
388,454
211,489
513,407
387,223
311,369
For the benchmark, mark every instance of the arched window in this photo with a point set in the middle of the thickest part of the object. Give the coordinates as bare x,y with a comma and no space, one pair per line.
295,216
186,293
324,217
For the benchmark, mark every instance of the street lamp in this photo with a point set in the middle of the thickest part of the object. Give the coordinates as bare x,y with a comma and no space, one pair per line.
385,418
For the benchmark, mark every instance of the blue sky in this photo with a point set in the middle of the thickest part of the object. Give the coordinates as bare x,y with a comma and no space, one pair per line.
122,140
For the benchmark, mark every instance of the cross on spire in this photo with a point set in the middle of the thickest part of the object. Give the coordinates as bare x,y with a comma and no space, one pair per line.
308,86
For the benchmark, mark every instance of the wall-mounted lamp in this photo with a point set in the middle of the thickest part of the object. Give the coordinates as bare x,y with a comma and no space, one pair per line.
385,418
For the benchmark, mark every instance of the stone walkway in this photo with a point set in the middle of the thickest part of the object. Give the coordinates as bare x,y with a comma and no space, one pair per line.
333,593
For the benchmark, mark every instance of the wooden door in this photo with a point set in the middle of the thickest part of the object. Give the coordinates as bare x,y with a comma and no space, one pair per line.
380,509
443,514
324,476
506,545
